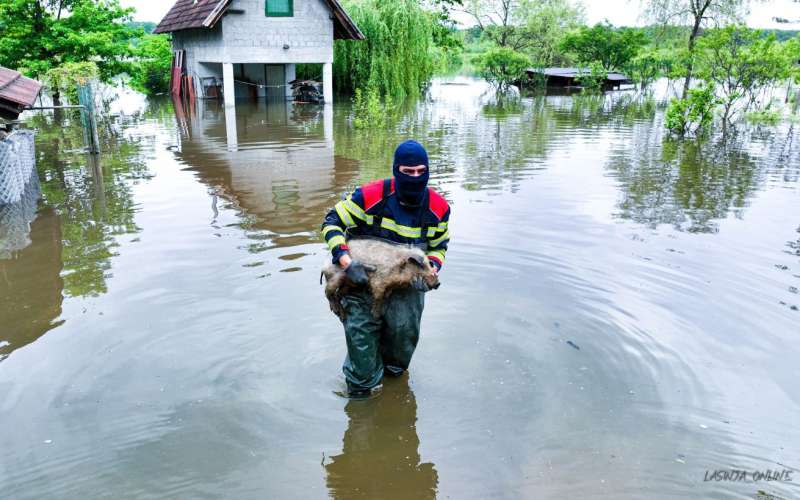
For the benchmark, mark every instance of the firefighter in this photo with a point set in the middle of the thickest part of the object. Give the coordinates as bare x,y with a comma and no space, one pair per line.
402,209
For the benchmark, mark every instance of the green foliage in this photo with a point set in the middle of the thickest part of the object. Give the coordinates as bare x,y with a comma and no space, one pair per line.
66,78
146,26
533,27
448,45
38,35
311,71
650,64
151,70
766,116
612,47
396,58
593,77
692,114
791,51
546,24
740,62
368,110
502,66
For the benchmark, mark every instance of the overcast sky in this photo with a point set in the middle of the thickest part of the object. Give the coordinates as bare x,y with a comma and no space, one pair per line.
619,12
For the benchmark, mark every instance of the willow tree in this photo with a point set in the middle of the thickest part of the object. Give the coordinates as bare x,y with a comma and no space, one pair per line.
396,58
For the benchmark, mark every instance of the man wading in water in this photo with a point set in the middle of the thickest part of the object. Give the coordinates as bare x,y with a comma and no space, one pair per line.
405,210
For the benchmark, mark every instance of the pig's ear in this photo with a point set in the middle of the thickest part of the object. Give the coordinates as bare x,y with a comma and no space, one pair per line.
417,259
369,268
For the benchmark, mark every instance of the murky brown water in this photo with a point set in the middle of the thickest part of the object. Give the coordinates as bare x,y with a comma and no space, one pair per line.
618,312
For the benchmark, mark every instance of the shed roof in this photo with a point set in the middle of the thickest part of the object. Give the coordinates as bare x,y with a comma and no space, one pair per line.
188,14
574,73
16,92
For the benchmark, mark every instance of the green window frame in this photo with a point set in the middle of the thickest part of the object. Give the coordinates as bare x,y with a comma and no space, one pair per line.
270,9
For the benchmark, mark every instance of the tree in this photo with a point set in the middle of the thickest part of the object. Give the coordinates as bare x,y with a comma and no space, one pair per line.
546,23
38,35
396,58
501,66
740,62
499,21
151,71
613,48
649,64
531,26
791,50
448,45
697,13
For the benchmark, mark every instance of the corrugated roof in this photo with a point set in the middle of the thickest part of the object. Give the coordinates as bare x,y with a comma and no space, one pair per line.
188,14
16,92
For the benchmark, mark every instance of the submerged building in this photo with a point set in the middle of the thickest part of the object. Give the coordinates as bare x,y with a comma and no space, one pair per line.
249,48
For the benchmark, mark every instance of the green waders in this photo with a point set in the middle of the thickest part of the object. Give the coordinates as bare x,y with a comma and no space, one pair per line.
378,344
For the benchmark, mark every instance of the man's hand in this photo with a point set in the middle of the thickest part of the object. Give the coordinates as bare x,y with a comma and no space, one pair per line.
345,260
357,272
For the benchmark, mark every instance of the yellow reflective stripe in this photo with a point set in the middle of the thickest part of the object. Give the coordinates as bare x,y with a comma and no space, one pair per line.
442,226
439,240
408,232
431,231
328,229
344,215
354,209
336,241
436,253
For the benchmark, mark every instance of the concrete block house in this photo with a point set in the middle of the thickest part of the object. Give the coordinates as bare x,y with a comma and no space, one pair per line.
252,46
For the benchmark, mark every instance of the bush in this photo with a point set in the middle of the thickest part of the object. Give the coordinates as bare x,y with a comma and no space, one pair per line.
65,78
151,71
693,114
592,78
369,111
649,65
501,67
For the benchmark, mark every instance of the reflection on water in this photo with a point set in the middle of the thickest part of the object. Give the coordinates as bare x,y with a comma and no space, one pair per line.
31,286
16,218
282,173
618,311
689,185
380,450
91,195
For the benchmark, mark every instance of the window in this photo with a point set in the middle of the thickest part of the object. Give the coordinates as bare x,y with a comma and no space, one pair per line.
280,8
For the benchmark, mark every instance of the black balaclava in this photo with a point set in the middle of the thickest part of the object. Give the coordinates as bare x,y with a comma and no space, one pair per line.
410,190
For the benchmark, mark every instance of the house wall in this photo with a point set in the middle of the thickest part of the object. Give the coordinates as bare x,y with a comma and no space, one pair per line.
252,37
201,46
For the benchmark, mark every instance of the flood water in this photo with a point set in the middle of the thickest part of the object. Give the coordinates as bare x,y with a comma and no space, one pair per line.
618,315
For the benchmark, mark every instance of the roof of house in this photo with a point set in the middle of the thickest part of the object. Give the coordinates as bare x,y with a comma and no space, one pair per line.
574,73
188,14
16,92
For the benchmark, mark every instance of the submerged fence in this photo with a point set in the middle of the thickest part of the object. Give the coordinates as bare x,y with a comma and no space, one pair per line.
17,165
19,191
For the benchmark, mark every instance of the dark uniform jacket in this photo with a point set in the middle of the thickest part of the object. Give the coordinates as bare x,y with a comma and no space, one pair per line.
374,210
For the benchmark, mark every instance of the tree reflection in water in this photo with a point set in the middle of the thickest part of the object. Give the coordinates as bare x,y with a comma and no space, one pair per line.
92,196
87,202
380,451
689,184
